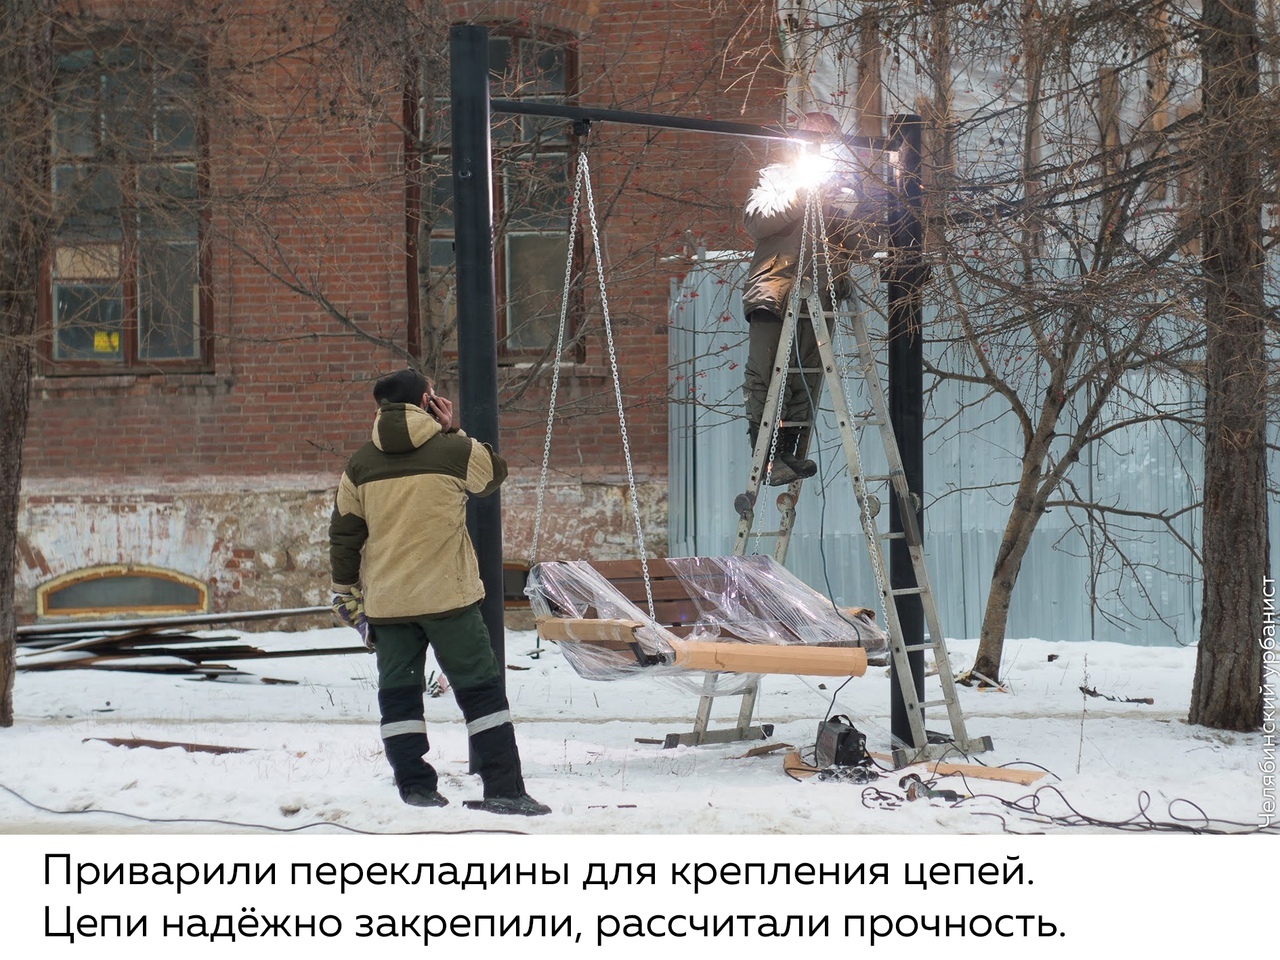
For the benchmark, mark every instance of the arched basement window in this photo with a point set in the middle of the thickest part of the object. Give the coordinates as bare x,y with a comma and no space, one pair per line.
115,590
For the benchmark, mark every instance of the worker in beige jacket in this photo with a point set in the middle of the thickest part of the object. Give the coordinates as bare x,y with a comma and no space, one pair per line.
405,575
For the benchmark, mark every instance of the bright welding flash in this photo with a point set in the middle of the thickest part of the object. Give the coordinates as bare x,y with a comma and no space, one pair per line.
812,169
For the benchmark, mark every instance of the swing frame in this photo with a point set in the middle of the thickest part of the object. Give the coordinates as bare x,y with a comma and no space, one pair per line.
662,638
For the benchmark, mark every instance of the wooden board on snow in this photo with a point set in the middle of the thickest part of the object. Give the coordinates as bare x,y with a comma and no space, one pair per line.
943,769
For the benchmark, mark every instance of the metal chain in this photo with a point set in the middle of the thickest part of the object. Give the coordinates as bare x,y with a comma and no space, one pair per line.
788,344
555,376
784,350
785,347
823,249
822,245
859,482
617,386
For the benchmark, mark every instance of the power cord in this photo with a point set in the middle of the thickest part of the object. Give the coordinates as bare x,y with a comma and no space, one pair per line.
252,826
1031,806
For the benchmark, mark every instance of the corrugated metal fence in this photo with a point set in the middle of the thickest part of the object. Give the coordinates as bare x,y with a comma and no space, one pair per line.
1068,588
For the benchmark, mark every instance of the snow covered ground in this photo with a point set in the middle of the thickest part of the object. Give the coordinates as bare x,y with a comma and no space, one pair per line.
312,754
309,785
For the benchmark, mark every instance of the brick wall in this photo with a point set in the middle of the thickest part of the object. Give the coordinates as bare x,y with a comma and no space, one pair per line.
306,176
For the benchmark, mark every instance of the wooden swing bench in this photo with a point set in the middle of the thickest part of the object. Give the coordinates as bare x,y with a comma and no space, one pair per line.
726,615
706,617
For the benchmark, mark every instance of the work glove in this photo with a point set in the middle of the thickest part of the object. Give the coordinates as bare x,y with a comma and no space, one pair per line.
349,606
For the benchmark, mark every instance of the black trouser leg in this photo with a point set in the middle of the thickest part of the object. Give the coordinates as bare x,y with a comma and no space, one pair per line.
493,738
764,331
404,736
461,645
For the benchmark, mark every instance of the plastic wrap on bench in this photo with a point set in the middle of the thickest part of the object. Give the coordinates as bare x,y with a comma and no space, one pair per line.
748,599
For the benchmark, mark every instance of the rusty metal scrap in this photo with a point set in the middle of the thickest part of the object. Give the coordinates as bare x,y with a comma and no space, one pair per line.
154,645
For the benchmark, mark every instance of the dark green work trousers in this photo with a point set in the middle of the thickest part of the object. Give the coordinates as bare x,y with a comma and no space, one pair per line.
461,647
765,331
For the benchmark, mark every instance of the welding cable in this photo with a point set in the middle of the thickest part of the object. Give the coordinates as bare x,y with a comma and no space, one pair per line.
250,826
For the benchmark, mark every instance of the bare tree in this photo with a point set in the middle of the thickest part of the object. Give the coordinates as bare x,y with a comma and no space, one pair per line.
1095,209
1236,120
26,89
384,65
1056,228
1082,290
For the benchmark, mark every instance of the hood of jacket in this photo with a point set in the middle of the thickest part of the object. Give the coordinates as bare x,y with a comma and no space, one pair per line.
774,192
402,427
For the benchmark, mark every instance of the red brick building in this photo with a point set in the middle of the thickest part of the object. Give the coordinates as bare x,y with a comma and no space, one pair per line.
253,227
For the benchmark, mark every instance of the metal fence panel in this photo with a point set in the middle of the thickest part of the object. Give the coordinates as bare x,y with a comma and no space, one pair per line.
1150,466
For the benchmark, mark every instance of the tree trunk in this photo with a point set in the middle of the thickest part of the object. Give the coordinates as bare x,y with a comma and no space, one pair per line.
15,380
26,90
1226,692
1023,516
1034,489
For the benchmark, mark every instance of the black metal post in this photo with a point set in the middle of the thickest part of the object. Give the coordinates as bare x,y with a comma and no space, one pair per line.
477,322
905,276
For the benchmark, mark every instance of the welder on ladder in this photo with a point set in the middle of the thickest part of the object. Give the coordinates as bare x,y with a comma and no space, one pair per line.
774,219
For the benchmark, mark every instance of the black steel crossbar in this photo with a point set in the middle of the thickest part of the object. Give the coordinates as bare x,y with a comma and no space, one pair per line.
723,127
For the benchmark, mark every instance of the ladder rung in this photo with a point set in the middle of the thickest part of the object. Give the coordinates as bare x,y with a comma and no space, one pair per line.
935,703
804,370
908,591
893,536
912,647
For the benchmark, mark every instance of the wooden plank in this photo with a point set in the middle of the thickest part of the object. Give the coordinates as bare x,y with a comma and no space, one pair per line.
800,660
559,630
727,631
101,640
683,617
623,569
665,612
663,589
741,633
689,566
134,742
976,770
307,652
1006,774
129,665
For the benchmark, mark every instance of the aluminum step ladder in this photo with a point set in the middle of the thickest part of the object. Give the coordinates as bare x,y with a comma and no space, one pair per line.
868,507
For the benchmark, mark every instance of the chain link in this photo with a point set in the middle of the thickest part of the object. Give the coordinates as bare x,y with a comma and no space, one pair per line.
860,493
555,376
785,346
617,388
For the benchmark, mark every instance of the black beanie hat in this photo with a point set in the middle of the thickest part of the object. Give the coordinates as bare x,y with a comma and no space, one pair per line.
403,386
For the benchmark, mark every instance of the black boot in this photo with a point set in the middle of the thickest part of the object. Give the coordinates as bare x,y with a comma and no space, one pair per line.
788,444
779,473
404,740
